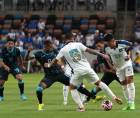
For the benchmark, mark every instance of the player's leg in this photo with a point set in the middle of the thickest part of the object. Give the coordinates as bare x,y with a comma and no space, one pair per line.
44,83
131,87
21,86
121,75
66,81
16,72
95,79
2,90
74,83
65,94
3,79
107,79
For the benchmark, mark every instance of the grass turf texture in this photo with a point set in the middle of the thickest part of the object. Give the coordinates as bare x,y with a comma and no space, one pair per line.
13,107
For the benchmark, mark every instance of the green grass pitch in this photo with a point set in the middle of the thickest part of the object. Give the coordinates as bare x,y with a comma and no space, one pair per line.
13,107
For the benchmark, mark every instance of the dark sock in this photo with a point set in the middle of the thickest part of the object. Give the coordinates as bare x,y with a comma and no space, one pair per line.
84,91
39,96
21,87
1,91
93,92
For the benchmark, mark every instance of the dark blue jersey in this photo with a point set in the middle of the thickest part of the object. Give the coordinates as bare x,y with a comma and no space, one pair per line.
10,57
47,57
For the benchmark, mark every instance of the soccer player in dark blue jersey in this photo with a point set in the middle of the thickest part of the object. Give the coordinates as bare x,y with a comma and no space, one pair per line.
10,62
52,74
109,72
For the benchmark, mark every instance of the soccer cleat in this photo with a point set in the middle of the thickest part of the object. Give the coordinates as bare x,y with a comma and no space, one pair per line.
40,107
65,103
23,97
1,99
131,106
80,109
118,100
126,108
98,98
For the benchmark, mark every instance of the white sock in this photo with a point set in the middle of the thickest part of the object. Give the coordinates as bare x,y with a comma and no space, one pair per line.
83,97
125,92
65,93
131,88
106,89
76,98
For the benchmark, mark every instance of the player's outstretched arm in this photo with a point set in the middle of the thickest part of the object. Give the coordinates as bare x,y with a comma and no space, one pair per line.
96,52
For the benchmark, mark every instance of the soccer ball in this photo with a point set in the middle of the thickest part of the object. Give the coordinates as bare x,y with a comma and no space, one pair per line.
107,105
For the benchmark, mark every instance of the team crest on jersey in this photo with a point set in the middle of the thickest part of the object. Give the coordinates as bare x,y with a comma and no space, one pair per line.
75,54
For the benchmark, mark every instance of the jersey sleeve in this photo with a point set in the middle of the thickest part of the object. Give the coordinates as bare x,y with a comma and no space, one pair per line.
125,43
82,47
36,55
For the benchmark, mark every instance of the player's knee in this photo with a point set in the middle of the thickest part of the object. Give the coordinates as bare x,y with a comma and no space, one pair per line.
2,83
97,83
39,89
129,79
124,82
43,85
72,87
19,77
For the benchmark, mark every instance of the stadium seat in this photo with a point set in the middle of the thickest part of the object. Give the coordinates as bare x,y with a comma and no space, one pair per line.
57,32
101,27
9,17
109,31
84,21
18,17
93,22
35,17
66,28
84,29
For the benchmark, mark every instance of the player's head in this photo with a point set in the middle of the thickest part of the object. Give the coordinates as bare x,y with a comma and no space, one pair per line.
48,45
99,44
109,38
69,38
10,43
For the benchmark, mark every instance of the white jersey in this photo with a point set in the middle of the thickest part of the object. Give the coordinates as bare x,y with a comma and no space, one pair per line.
73,52
118,55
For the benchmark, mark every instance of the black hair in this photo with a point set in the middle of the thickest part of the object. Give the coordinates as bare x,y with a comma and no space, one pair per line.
68,36
11,39
108,37
47,42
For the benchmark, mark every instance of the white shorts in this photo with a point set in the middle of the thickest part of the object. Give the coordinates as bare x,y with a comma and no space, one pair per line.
126,72
88,74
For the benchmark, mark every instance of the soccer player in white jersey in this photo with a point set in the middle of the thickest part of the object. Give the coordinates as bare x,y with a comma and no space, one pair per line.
123,65
73,52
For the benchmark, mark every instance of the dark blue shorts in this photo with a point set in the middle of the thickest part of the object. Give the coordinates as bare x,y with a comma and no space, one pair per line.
49,80
108,77
4,74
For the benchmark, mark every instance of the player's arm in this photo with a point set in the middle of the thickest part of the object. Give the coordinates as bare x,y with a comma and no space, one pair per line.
91,51
95,52
2,64
58,60
112,68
